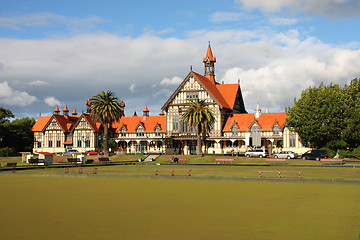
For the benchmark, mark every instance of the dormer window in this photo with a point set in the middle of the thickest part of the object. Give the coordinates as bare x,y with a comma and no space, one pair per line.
140,132
276,130
234,130
157,132
123,132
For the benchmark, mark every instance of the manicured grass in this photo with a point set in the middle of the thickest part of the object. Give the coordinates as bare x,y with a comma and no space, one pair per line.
214,171
113,208
190,159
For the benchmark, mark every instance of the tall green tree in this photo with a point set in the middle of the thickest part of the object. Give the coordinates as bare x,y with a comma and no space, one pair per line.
351,99
327,116
199,116
106,108
15,135
20,137
5,114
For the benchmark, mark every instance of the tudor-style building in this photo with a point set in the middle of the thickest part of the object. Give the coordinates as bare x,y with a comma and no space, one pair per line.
141,133
234,129
59,133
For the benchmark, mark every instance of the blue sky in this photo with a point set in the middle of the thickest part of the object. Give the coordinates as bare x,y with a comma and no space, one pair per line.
62,52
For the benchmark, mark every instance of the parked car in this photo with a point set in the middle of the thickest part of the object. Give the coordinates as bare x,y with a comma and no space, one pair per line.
286,154
69,152
315,155
257,153
93,153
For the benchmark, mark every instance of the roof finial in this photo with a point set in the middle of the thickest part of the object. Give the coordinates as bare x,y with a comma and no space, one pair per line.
190,68
239,81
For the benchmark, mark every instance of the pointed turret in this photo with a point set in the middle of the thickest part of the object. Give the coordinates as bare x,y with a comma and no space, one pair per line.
74,112
162,113
57,111
146,112
88,105
65,111
209,62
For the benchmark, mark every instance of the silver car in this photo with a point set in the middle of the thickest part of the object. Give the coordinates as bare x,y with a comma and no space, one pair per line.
257,153
286,154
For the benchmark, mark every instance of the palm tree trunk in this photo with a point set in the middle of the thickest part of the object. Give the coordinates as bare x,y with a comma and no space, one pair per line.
199,151
106,144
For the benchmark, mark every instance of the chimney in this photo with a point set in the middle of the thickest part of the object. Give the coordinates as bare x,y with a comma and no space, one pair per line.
257,111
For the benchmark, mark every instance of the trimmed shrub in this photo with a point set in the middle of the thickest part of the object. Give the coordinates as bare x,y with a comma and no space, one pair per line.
356,153
331,153
6,152
345,153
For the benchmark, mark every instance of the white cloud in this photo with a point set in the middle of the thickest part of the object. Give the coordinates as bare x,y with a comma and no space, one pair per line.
132,87
330,8
273,67
225,17
279,21
11,97
42,19
166,93
52,101
38,83
172,81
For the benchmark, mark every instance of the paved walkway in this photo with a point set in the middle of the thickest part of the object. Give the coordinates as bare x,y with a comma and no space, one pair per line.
151,158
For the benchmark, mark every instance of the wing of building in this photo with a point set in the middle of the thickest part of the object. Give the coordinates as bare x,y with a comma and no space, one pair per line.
61,132
234,129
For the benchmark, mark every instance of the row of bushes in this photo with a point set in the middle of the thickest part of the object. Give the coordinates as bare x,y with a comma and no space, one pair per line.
355,153
6,152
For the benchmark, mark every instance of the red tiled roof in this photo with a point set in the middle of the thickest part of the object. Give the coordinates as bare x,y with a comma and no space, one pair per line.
266,121
213,90
149,123
211,78
66,122
40,124
228,91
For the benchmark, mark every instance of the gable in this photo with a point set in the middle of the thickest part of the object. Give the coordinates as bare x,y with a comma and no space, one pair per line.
84,122
193,84
56,122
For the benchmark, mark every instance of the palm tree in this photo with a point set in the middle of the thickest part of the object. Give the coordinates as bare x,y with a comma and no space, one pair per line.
199,116
106,108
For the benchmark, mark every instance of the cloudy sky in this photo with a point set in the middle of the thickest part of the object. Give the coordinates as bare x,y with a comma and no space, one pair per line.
56,53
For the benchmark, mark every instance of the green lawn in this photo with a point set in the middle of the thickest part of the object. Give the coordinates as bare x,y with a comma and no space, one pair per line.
119,208
216,202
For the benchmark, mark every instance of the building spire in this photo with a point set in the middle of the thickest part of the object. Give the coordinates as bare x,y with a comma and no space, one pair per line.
209,62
